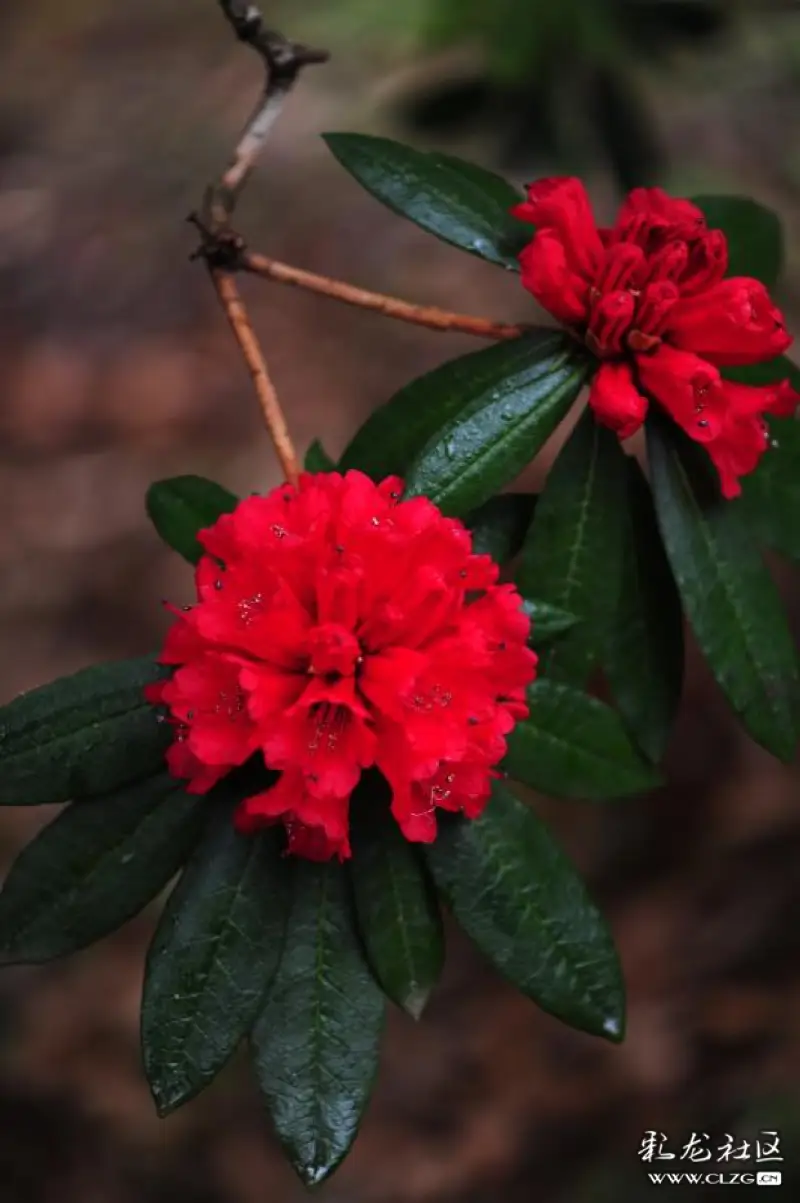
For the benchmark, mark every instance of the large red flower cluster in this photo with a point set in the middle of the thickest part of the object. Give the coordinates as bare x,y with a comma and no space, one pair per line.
650,298
338,628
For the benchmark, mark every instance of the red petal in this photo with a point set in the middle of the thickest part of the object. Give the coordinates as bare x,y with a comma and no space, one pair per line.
616,401
733,323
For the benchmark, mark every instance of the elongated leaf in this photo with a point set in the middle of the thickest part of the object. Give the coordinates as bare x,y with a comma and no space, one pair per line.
459,202
394,434
316,1041
501,429
182,506
81,735
727,593
573,746
398,914
755,237
213,956
644,653
572,555
547,622
771,494
517,896
94,868
317,459
499,525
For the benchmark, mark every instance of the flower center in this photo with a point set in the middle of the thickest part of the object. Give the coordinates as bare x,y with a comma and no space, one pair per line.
334,651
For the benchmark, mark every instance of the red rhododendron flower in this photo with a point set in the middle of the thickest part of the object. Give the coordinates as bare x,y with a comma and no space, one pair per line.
338,628
650,300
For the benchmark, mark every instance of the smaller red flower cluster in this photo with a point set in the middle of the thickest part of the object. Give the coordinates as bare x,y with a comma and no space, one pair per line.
650,299
339,628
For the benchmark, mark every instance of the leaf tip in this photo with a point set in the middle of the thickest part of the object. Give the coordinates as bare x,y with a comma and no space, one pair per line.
613,1026
167,1097
316,1170
415,1002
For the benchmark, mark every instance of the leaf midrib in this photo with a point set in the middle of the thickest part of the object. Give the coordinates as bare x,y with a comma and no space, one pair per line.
497,857
464,474
67,899
734,600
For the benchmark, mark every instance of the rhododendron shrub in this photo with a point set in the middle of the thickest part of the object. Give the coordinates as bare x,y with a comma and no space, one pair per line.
380,650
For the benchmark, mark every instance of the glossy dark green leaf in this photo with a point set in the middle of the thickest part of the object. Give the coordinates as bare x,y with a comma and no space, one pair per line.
502,427
95,867
547,622
394,434
459,202
574,746
316,1041
499,525
317,459
81,735
398,914
518,897
644,653
771,494
213,956
182,506
728,594
572,555
755,237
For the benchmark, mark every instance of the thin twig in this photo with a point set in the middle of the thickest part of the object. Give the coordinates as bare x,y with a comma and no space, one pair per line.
404,311
283,61
236,314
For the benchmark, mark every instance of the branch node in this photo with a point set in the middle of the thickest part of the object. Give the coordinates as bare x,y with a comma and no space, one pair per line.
220,246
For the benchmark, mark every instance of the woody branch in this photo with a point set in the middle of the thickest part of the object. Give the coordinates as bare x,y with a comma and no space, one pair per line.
220,247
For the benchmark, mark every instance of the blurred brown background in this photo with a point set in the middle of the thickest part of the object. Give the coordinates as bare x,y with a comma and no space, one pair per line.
117,368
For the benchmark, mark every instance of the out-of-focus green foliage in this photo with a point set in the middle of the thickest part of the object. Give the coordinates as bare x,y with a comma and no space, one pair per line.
565,75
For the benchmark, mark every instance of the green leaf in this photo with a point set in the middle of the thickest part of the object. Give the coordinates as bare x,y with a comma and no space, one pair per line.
458,202
499,525
572,556
771,494
316,1041
94,868
517,896
644,654
318,460
755,237
547,622
503,425
394,434
573,746
398,914
182,506
213,956
81,735
728,594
